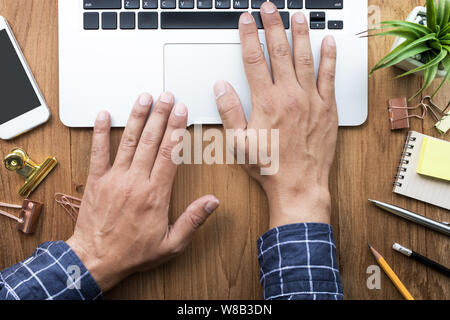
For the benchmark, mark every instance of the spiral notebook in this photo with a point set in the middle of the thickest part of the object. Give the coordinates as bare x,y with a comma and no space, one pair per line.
423,171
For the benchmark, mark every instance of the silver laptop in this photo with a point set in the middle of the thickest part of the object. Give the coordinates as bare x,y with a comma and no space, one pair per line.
110,51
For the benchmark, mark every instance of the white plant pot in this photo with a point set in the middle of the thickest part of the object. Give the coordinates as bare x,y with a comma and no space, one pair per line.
410,63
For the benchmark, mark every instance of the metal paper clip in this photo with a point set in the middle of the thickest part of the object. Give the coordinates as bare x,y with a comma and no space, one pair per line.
18,160
71,204
29,215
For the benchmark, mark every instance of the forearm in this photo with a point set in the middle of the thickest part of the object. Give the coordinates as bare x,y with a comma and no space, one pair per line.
288,207
53,272
298,261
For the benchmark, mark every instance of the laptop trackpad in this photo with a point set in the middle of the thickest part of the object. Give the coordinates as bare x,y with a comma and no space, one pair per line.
190,71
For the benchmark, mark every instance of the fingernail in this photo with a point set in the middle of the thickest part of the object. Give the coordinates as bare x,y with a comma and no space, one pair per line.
180,110
330,41
145,99
166,97
211,206
268,7
299,17
103,115
247,18
220,88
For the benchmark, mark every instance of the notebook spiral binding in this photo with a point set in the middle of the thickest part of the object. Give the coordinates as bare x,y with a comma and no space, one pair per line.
402,168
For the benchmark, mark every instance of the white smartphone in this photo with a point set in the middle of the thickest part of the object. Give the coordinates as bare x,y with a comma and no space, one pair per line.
22,106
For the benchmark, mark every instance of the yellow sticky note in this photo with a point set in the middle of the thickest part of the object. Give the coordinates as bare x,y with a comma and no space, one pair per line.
434,158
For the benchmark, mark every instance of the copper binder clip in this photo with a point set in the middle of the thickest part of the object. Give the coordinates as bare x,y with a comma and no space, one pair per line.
434,108
399,113
442,116
28,217
18,160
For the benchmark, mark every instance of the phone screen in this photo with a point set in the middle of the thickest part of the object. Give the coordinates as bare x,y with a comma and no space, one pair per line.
17,95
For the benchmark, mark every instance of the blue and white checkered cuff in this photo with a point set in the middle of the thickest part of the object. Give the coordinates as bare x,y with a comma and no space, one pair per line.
54,271
298,261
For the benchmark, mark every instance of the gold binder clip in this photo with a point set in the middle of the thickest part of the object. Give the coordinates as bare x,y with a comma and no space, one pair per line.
18,160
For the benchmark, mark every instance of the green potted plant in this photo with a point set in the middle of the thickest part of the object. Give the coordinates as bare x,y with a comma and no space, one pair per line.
422,45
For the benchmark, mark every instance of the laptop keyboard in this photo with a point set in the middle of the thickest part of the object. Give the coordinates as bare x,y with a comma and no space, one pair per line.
199,14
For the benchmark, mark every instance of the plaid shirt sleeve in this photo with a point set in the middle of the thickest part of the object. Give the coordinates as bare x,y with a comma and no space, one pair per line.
54,271
298,262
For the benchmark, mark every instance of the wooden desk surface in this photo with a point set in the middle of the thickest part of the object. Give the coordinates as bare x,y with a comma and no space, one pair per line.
221,263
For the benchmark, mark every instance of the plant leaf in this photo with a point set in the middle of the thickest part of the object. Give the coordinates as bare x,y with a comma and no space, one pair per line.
444,8
424,30
440,12
391,55
402,48
400,32
430,74
435,44
431,15
408,29
446,64
431,63
404,55
405,29
445,30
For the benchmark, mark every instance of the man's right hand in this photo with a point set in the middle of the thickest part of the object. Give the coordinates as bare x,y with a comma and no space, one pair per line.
123,225
302,108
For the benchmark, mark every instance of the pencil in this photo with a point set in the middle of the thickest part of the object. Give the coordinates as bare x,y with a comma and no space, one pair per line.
422,259
391,274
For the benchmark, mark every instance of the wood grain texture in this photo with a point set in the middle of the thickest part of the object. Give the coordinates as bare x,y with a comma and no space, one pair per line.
221,263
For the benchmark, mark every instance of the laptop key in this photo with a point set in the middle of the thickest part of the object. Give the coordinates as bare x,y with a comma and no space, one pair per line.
102,4
148,20
284,18
256,4
317,16
279,3
223,4
200,20
109,20
150,4
91,21
127,20
324,4
317,25
295,4
168,4
240,4
335,24
204,4
317,20
186,4
131,4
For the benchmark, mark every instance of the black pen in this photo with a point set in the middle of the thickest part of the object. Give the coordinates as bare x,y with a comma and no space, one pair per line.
418,257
